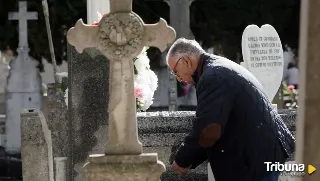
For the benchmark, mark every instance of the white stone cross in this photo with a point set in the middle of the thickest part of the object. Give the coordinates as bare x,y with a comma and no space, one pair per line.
121,36
23,16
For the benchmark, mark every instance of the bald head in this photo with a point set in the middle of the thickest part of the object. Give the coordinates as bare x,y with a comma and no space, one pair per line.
183,57
183,47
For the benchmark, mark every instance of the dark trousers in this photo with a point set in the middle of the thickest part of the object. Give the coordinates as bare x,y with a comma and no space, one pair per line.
271,176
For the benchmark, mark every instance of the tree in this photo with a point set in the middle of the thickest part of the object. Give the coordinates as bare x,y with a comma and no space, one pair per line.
216,23
222,22
63,14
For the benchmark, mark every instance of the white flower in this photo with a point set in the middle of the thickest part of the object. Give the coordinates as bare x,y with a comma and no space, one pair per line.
66,96
99,16
153,80
145,81
145,96
142,61
141,78
144,88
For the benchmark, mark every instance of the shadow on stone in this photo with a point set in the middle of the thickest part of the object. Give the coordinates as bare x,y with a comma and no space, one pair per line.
88,84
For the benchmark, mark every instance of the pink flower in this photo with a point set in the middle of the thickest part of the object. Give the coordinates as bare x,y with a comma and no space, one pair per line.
291,87
139,93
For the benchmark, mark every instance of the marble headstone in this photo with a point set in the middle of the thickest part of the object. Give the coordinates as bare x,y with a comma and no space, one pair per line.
263,56
24,88
88,85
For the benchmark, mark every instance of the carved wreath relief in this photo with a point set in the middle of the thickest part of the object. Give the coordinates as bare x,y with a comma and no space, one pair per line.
121,35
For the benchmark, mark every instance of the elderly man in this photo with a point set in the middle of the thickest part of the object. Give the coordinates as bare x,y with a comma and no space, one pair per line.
236,128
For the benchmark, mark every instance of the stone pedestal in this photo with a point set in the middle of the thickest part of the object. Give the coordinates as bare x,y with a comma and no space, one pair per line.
36,147
144,167
308,124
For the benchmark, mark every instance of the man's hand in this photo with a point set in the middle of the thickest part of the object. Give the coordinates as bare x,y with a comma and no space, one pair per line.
179,170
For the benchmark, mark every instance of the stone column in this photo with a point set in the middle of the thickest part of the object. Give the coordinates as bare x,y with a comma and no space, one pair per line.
180,17
308,124
180,21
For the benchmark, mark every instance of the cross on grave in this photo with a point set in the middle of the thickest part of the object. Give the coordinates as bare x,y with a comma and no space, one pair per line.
121,36
23,16
23,90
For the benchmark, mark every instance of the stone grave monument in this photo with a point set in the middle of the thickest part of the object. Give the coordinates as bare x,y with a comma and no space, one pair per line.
166,96
4,72
24,81
120,36
88,88
263,56
36,147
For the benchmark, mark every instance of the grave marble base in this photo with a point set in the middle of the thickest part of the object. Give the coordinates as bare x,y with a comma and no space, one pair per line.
144,167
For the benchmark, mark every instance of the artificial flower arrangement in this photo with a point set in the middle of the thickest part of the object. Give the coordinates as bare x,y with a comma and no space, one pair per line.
145,80
292,93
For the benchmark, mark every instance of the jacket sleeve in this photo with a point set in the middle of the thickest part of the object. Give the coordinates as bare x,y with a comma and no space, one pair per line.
215,101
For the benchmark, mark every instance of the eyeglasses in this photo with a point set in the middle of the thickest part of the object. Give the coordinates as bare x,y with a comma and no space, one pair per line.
174,71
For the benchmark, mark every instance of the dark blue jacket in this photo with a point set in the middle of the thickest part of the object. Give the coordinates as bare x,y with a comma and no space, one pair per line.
251,130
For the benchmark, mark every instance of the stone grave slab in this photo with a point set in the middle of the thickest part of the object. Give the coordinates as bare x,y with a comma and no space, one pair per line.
88,85
36,147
